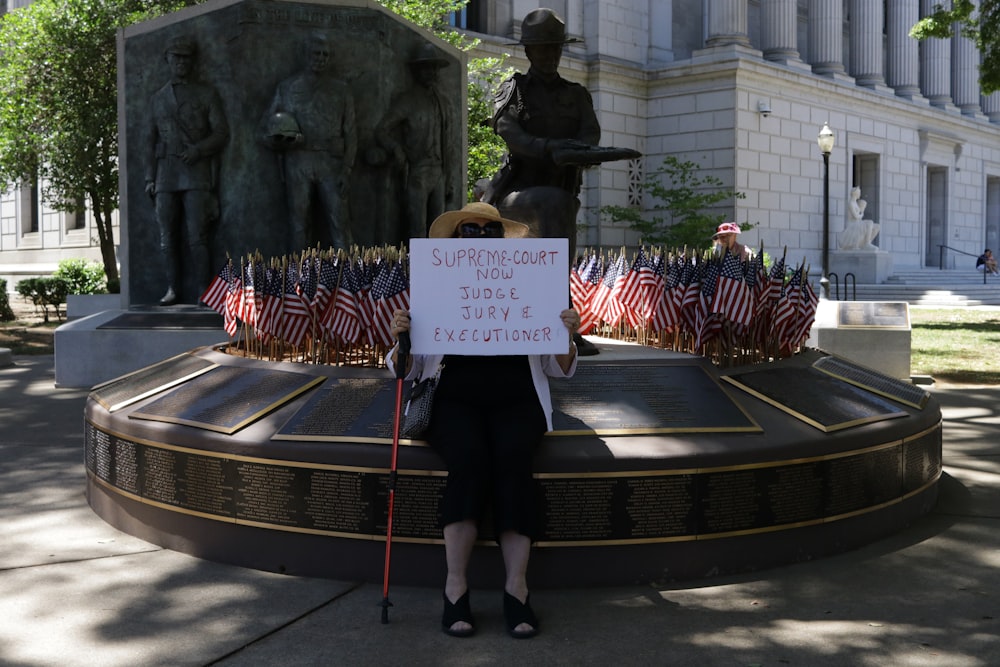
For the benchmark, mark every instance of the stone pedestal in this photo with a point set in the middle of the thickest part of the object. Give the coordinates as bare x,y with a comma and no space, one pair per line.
870,267
875,334
106,345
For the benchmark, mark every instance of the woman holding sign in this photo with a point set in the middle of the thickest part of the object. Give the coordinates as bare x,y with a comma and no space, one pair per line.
489,416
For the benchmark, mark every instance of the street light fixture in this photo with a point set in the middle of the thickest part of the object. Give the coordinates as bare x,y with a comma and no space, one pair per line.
825,141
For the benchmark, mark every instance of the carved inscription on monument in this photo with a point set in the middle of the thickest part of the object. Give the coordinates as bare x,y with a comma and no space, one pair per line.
267,494
615,399
873,315
660,506
344,409
584,508
921,460
122,392
227,398
821,400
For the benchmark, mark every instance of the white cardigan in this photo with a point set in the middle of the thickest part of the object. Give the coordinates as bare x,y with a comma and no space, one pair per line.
543,366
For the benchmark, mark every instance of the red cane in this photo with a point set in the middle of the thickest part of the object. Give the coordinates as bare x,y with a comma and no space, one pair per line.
402,357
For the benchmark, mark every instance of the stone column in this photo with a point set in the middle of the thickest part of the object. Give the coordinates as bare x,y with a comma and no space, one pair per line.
826,36
935,62
727,23
866,24
991,106
965,75
903,50
779,30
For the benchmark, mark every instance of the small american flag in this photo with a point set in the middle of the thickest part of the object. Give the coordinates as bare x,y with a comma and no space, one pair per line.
215,294
732,297
390,292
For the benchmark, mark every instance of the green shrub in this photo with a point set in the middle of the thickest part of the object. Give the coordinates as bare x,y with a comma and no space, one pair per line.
82,276
6,314
44,293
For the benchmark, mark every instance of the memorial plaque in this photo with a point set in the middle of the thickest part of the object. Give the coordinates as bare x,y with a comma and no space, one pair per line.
879,383
124,391
624,399
600,399
922,460
820,400
577,509
165,319
227,398
872,315
616,508
345,409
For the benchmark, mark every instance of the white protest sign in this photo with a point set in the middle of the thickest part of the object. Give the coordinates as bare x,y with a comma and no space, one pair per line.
488,296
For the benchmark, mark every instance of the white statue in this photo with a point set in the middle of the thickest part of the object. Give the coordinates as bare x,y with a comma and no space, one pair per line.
859,233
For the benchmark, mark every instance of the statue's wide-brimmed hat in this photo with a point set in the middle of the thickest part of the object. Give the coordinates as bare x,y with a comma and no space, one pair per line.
427,54
444,225
183,46
726,228
543,26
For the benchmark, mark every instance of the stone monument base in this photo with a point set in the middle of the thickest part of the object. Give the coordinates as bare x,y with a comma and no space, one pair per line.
657,462
106,345
870,267
875,334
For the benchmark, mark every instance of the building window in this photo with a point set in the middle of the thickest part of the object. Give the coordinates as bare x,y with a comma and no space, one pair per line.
28,210
76,219
469,17
635,182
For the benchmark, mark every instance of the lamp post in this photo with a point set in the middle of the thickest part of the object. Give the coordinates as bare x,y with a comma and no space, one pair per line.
825,141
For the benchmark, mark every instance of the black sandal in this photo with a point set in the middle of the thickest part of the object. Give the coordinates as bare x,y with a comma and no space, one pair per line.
515,613
460,610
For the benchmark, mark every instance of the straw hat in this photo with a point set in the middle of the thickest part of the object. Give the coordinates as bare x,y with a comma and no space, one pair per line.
726,228
444,225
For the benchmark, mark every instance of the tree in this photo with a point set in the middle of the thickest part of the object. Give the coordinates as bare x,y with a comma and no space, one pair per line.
58,114
981,25
686,198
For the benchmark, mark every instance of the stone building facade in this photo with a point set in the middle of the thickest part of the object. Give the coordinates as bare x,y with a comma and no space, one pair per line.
742,88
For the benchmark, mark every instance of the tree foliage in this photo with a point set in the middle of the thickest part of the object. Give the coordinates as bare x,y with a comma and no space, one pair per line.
683,202
58,114
981,25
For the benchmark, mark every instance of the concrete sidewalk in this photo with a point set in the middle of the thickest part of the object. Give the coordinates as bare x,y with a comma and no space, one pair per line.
74,591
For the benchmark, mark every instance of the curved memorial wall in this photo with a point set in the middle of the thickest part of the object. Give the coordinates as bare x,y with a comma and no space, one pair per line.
660,467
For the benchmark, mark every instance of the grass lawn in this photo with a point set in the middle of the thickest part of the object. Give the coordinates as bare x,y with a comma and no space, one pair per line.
956,345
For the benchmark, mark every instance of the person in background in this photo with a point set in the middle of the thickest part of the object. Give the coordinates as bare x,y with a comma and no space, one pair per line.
487,421
987,262
725,239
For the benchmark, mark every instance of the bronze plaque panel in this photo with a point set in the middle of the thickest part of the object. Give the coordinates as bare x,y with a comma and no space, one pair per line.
872,315
601,399
818,399
228,398
921,460
879,383
621,399
347,409
124,391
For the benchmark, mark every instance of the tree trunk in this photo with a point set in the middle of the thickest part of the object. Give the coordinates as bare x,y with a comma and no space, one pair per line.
105,233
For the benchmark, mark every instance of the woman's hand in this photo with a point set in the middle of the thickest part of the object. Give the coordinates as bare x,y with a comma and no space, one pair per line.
400,322
571,320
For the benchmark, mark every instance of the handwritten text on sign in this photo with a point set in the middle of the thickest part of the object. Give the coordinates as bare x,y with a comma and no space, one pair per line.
488,296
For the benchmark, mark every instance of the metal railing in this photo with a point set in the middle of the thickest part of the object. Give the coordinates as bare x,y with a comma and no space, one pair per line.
942,248
835,281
